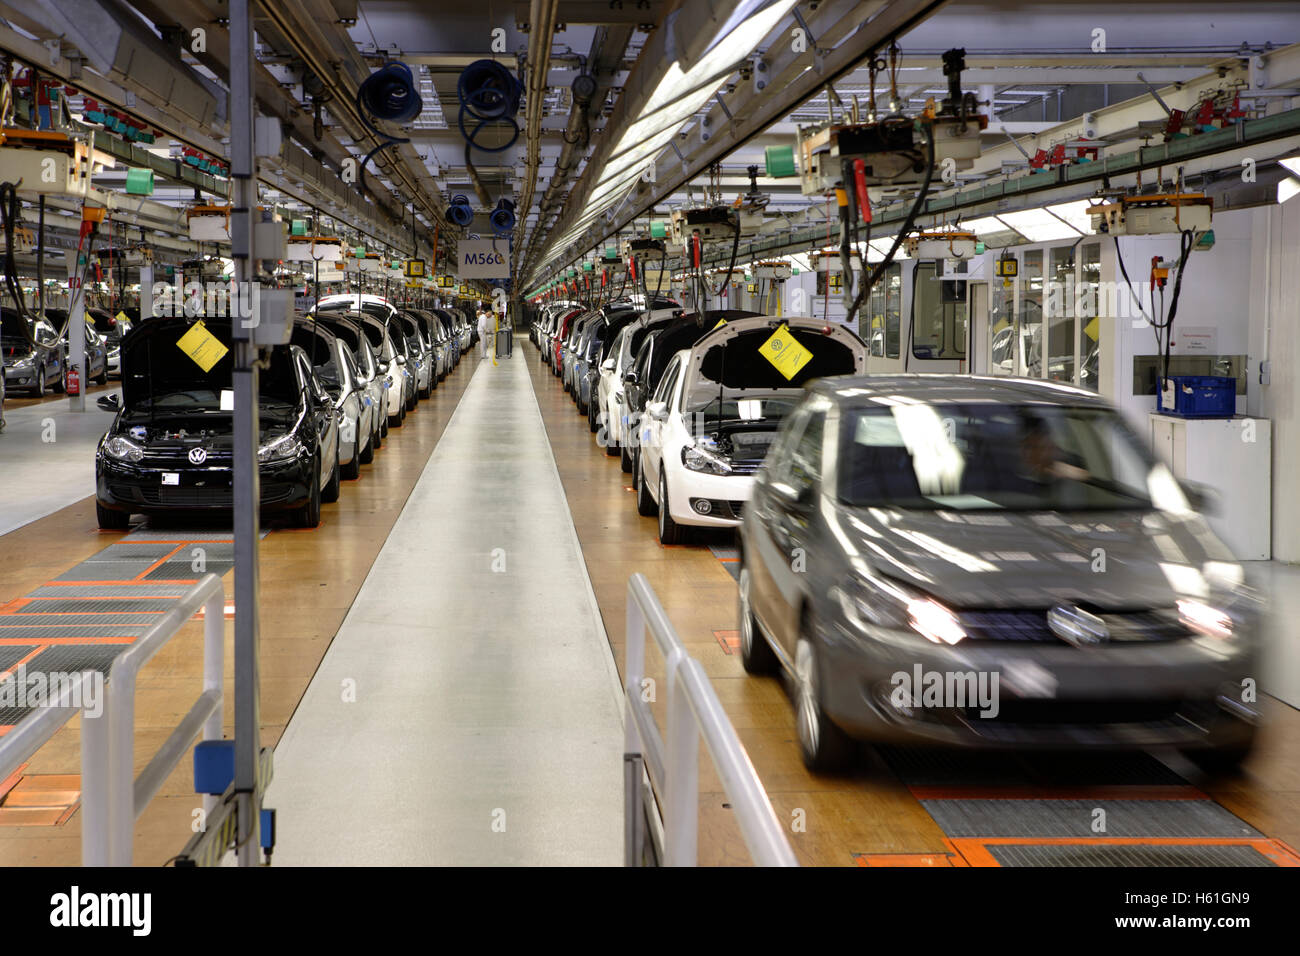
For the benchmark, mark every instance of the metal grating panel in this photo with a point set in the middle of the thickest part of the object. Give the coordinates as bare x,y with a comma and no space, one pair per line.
1111,855
71,658
160,589
925,767
106,570
98,605
177,536
1074,818
11,654
71,623
38,632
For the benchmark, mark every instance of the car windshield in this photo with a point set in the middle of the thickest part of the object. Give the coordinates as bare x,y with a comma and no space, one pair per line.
994,457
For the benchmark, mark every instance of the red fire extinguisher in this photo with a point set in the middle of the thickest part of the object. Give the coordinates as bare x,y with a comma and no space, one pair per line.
74,380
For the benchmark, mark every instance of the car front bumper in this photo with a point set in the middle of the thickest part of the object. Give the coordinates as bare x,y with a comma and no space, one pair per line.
122,486
1185,693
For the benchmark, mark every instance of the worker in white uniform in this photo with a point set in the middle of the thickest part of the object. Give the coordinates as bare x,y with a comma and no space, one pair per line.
484,324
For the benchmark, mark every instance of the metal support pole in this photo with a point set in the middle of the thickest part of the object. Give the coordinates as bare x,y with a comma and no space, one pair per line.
76,357
245,475
146,292
681,803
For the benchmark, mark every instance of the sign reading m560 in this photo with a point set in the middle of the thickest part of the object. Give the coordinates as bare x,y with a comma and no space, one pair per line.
483,259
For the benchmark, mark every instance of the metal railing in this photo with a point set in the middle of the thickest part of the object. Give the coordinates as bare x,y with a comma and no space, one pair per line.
693,712
112,798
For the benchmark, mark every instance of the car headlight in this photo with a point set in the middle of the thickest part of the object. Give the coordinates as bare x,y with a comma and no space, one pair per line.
23,363
281,449
886,604
1204,619
697,459
123,449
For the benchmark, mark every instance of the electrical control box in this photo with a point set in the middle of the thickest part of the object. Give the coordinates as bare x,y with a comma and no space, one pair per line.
48,162
941,245
892,150
1153,215
209,223
711,222
312,248
772,270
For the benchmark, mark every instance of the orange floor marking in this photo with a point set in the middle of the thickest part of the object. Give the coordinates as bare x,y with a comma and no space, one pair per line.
160,562
952,858
47,799
22,641
19,663
730,640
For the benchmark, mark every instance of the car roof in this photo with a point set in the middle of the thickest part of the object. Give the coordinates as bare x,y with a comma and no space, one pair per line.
954,388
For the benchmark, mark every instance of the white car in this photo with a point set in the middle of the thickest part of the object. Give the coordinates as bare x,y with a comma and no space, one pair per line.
611,423
715,412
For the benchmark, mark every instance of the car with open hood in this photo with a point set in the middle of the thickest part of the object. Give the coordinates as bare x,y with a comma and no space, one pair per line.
347,326
171,446
337,370
710,421
33,354
995,563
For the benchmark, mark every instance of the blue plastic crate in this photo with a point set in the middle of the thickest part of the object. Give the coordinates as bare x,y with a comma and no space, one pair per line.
1200,396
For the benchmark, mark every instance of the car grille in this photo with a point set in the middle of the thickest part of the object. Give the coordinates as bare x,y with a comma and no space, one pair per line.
161,456
745,466
1031,627
1013,710
209,496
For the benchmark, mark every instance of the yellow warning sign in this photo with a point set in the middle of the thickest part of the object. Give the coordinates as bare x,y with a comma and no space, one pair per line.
1091,329
122,317
721,323
784,351
202,346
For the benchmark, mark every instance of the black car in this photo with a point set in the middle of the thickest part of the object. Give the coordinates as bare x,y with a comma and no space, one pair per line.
347,326
170,448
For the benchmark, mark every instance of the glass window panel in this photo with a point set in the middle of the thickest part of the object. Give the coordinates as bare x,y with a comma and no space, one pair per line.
1060,315
1030,358
1089,323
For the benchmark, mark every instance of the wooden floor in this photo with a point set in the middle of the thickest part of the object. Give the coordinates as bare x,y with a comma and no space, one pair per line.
310,579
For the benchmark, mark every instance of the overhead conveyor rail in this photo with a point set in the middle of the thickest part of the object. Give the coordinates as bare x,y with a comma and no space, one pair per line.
694,711
112,798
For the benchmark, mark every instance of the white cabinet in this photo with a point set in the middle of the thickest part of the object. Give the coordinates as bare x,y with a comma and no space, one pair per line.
1233,456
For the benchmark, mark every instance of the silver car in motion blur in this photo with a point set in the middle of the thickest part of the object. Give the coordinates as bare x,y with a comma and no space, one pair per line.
990,562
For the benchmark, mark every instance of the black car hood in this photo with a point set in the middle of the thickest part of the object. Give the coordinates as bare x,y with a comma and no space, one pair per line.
1109,560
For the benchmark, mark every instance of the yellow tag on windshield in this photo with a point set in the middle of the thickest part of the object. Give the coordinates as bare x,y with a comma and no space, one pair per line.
721,323
784,351
202,346
122,317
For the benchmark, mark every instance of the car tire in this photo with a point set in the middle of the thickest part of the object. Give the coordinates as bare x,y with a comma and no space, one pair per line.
38,389
593,422
670,532
645,504
333,486
625,458
352,470
110,520
756,654
824,747
383,432
367,454
308,516
1221,761
61,384
103,376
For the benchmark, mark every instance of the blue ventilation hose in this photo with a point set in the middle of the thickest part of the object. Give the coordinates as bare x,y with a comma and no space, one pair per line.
387,94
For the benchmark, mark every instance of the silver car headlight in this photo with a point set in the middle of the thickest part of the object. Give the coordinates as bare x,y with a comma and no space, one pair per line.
886,604
698,459
123,449
281,449
23,363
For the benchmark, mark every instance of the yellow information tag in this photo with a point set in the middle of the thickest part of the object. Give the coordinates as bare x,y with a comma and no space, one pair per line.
721,323
122,317
202,346
1091,329
784,351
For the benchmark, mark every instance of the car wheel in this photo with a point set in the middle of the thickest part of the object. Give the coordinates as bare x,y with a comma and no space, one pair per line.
61,383
670,532
39,388
756,655
309,514
824,747
383,431
103,375
352,470
645,504
1221,761
625,458
110,520
593,420
367,454
332,487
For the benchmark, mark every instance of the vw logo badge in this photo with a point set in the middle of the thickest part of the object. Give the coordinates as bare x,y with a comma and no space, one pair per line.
1076,626
198,456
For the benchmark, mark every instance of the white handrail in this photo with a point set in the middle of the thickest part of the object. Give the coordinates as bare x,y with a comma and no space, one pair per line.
112,798
693,711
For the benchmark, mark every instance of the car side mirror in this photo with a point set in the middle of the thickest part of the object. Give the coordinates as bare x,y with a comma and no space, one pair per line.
658,411
791,497
607,365
401,360
108,403
629,378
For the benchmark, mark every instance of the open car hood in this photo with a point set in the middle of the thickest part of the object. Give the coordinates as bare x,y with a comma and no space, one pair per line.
732,355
